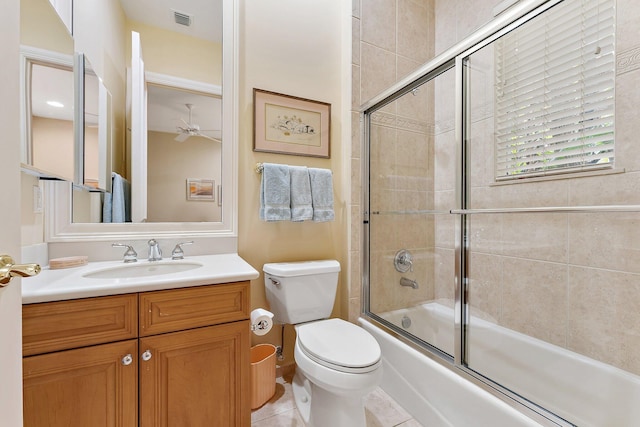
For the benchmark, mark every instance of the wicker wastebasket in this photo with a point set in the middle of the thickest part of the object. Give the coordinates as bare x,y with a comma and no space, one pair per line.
263,374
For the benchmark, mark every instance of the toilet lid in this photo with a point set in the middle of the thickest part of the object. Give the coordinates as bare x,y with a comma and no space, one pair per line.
339,345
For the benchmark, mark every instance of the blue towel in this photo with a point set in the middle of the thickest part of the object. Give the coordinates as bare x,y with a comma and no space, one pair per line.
275,193
322,194
121,199
301,205
106,208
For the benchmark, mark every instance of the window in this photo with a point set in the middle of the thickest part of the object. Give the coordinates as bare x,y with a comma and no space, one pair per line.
555,76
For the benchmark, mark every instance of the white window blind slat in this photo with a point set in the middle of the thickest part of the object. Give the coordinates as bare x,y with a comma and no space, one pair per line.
554,101
592,24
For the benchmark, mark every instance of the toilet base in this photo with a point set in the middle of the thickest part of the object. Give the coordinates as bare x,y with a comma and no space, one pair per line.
320,408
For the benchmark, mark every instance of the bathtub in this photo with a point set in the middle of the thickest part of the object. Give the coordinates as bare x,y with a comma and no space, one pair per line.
587,392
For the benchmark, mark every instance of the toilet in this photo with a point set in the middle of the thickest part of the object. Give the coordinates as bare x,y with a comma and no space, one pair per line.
338,363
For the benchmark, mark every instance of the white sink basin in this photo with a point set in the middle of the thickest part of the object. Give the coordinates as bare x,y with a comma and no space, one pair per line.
157,268
103,278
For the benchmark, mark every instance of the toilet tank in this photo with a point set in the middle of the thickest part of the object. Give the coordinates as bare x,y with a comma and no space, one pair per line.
301,291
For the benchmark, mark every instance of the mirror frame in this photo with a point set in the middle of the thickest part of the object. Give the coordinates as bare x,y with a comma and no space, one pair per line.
58,226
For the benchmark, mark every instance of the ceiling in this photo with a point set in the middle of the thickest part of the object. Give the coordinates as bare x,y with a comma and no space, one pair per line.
206,22
54,85
166,110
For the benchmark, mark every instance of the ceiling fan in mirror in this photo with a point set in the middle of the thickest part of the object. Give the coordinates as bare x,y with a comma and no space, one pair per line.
191,129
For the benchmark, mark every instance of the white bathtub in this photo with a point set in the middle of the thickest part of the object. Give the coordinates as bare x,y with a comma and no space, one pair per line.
587,393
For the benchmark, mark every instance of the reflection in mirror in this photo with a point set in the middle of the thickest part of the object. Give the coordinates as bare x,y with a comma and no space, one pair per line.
87,206
91,121
184,46
186,56
183,137
47,91
51,143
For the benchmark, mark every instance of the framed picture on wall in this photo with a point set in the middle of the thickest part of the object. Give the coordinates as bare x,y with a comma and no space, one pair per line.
201,189
286,124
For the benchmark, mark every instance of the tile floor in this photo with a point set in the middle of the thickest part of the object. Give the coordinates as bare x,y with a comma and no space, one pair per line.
280,411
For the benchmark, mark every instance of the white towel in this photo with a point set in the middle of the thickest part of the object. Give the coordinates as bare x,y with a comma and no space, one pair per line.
121,199
275,193
322,194
301,205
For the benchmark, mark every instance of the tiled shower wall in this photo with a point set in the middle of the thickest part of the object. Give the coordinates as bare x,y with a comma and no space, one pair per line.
391,38
569,279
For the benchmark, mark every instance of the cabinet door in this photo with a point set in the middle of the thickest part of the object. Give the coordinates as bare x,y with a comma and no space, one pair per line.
198,377
92,386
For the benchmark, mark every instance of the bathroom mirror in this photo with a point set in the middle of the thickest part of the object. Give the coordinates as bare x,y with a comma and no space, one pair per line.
160,64
47,86
182,42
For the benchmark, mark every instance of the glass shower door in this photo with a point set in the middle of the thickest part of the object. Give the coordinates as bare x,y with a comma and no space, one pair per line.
412,187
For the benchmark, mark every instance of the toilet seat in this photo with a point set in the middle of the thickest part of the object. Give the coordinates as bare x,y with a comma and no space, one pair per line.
339,345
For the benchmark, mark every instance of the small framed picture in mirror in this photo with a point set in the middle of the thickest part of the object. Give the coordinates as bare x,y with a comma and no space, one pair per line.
201,189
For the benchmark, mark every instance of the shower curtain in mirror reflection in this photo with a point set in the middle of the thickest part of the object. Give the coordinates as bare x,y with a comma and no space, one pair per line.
117,204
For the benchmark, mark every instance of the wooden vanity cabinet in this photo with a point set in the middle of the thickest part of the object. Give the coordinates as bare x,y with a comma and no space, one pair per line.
187,364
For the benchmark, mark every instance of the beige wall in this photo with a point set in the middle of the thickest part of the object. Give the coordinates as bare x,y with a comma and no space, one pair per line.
569,279
169,164
41,27
176,54
298,51
100,34
53,146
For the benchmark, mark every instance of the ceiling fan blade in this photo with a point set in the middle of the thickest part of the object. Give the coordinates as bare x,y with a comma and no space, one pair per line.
182,137
209,137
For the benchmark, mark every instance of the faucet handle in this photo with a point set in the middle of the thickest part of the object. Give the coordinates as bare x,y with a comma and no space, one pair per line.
177,252
130,254
403,261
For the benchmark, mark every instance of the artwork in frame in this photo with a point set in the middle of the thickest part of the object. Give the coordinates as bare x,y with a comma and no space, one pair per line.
286,124
201,189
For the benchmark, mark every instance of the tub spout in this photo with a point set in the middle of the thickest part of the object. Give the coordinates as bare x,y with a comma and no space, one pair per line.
408,282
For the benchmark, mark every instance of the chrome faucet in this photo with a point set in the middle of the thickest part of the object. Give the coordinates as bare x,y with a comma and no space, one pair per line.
408,282
155,253
130,255
403,261
177,252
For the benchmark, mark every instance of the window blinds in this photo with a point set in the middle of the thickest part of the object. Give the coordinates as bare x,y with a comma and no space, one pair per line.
554,99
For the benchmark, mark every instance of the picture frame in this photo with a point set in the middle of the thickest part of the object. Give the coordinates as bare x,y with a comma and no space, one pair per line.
286,124
201,189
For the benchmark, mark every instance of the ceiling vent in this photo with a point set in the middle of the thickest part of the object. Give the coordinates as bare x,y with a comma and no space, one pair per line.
182,18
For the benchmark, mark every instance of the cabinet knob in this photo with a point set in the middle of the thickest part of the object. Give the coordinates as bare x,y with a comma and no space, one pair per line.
127,360
146,355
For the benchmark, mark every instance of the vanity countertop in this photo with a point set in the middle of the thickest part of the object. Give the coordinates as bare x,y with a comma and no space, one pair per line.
72,283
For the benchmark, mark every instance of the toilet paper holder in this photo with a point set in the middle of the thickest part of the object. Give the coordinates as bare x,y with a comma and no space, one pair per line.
261,321
263,324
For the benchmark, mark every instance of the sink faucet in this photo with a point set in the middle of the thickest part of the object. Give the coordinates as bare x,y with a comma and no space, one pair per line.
155,253
130,255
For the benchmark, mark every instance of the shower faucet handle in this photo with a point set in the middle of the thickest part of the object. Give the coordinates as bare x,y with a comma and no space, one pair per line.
403,261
